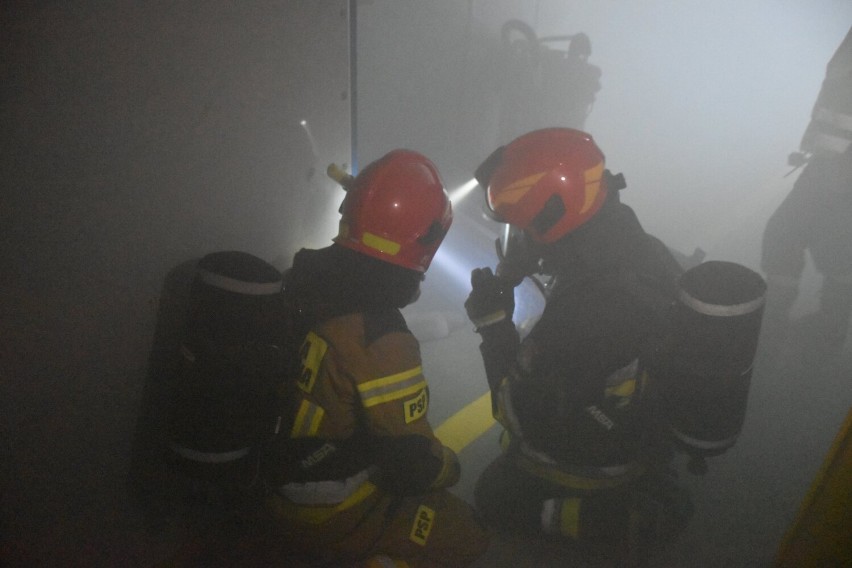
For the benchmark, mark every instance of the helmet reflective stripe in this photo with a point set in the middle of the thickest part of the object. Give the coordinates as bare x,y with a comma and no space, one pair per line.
513,193
376,242
396,210
593,178
547,182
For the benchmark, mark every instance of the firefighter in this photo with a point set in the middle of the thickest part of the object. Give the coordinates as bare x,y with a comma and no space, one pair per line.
357,475
817,217
580,455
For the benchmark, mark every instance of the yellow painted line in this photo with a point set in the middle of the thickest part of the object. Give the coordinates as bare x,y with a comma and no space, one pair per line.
816,536
466,425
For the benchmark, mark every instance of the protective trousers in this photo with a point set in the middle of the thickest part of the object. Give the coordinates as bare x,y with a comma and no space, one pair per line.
433,530
816,217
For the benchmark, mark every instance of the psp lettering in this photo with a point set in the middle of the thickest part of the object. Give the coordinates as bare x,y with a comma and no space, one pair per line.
423,521
416,407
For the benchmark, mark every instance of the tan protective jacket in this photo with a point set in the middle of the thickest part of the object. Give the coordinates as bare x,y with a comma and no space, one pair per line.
362,384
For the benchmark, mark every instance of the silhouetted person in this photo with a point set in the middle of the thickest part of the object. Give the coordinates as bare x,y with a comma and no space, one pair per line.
817,217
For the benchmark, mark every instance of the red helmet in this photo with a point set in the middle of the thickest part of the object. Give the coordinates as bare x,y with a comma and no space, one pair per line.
397,210
548,182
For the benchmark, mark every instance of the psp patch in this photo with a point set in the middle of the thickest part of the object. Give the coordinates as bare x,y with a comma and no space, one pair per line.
423,521
416,407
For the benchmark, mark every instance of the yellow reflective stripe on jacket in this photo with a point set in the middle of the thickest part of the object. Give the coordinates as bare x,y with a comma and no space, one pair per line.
625,389
308,420
569,517
392,387
312,353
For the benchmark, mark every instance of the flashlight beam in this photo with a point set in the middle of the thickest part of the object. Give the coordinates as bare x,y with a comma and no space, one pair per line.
458,194
304,124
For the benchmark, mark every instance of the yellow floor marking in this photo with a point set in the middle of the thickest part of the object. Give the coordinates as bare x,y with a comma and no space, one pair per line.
466,425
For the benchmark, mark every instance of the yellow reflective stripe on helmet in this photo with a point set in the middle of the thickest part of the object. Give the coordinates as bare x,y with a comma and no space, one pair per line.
380,244
513,192
592,177
392,387
308,420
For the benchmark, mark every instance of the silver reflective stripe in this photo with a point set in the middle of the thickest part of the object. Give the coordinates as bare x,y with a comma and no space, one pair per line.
626,373
830,143
308,419
238,286
187,353
704,444
782,281
838,119
208,457
514,427
590,472
504,404
383,561
324,492
841,278
392,387
719,310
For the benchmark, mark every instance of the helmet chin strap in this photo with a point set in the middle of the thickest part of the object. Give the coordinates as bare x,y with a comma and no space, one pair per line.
415,296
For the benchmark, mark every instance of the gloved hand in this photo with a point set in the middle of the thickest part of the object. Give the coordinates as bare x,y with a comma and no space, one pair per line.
450,470
516,259
491,299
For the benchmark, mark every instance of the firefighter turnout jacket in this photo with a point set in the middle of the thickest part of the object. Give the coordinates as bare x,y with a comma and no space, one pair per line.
573,395
356,452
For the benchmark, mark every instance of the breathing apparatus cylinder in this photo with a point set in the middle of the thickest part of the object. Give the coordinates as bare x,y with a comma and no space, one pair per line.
708,357
230,359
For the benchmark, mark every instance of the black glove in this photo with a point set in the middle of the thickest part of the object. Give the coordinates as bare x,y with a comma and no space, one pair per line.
491,299
517,261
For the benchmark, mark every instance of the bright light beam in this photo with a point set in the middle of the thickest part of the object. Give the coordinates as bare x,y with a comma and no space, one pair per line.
304,124
457,267
460,193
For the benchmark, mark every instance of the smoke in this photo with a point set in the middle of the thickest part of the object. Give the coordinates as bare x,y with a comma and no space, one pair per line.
699,106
